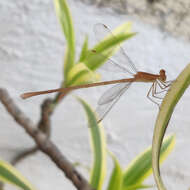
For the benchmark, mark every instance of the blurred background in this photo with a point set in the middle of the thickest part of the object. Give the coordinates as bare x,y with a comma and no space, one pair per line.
31,59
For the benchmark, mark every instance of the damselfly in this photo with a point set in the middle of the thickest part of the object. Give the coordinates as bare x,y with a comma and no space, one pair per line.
112,95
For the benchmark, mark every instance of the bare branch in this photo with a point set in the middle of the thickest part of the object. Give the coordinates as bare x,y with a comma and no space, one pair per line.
44,124
22,155
43,142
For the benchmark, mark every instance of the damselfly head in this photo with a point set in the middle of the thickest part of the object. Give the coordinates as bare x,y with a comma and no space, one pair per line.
163,75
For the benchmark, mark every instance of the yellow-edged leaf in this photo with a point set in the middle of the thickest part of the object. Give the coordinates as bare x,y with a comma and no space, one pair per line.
116,178
81,74
141,167
84,50
172,97
98,146
9,174
108,46
65,19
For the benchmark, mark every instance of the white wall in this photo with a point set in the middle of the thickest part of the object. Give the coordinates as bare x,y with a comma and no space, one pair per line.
31,54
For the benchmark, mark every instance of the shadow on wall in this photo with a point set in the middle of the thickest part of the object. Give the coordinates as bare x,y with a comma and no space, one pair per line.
168,15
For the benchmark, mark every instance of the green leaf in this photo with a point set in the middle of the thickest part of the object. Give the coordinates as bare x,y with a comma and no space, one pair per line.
116,178
108,46
98,146
9,174
81,74
84,50
141,167
65,19
135,187
172,97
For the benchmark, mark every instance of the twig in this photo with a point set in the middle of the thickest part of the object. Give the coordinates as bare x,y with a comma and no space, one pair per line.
22,155
44,143
43,125
1,185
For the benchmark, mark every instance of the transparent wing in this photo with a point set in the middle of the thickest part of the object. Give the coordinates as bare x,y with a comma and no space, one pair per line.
111,65
103,108
102,31
111,93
